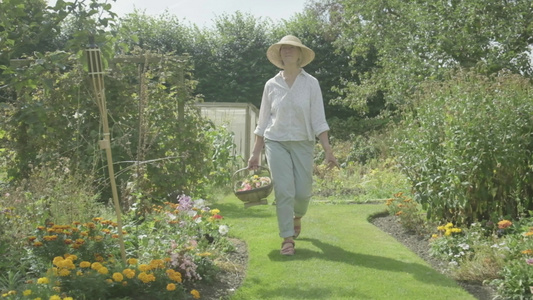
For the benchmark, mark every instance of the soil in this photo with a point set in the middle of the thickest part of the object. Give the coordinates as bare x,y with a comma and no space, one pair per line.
234,266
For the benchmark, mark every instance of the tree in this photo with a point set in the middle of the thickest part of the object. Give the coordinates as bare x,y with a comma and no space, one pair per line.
422,40
230,59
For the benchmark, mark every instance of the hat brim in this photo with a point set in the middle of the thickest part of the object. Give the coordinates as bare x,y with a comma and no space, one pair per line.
274,55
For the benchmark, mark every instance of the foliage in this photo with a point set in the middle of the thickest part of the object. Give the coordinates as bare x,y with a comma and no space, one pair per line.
377,179
173,247
223,156
50,194
408,213
230,59
466,148
413,41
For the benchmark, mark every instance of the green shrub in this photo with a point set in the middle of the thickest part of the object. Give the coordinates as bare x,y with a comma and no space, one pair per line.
466,147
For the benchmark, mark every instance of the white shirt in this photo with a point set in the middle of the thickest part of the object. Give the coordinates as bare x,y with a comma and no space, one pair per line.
292,114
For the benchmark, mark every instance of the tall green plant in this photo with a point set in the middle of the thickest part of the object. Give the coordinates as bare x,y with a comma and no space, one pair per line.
466,147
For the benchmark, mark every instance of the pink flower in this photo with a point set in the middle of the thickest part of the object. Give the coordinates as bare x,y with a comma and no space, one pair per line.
529,261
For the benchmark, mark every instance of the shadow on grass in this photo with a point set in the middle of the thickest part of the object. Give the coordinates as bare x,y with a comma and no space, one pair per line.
337,254
298,292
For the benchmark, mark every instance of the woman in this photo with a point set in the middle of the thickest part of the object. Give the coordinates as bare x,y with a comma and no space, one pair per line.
290,119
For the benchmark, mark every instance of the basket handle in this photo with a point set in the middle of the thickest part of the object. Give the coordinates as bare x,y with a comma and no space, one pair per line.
246,168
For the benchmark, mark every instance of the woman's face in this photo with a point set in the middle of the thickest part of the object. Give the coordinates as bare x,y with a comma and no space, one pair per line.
290,54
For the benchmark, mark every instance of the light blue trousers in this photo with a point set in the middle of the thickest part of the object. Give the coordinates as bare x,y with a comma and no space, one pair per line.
291,165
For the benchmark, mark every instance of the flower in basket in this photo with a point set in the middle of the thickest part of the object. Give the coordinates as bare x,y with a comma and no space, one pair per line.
253,182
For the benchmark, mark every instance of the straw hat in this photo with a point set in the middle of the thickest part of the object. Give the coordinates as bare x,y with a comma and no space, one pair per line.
275,57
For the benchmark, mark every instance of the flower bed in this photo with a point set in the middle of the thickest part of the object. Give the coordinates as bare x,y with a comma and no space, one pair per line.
175,245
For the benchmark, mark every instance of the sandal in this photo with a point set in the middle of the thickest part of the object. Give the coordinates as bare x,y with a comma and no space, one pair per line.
297,226
287,248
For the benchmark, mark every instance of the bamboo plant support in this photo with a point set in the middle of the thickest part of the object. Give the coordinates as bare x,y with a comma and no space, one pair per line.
96,74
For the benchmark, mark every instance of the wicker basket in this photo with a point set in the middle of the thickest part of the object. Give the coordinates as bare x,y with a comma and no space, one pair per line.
255,196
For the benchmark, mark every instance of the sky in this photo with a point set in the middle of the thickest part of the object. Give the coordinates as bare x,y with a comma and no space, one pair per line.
203,12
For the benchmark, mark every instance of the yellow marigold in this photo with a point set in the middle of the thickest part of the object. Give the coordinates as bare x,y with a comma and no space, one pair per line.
145,277
195,294
64,272
43,280
435,236
204,254
79,273
26,293
103,270
129,273
37,244
55,297
215,211
50,238
97,219
85,264
449,225
456,230
109,281
117,277
157,264
171,287
504,224
57,260
441,228
527,252
144,268
68,298
96,266
98,258
72,257
173,275
80,241
90,225
448,232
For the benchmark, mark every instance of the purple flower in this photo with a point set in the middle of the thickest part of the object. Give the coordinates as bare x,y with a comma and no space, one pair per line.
529,261
185,203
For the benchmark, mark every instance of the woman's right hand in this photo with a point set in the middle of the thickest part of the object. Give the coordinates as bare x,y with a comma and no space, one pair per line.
253,162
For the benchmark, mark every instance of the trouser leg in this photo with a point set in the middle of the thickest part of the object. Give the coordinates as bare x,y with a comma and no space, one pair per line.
291,165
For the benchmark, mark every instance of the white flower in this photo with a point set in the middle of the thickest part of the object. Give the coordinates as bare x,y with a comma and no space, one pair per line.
192,213
464,246
223,229
198,220
453,263
171,216
199,204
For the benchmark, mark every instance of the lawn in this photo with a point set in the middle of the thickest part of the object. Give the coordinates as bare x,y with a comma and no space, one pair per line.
339,255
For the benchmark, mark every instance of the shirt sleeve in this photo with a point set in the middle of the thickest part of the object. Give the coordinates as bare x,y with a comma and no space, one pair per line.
318,115
264,113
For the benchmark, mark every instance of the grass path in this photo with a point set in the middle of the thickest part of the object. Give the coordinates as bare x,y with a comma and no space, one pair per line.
339,255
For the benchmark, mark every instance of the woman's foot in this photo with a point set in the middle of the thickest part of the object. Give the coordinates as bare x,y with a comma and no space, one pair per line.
287,247
297,226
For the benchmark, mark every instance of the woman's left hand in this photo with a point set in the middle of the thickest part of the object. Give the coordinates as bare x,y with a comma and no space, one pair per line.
331,161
